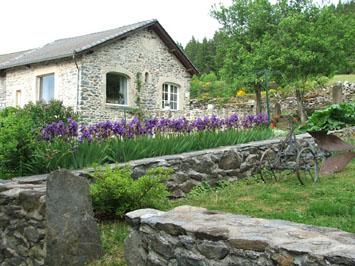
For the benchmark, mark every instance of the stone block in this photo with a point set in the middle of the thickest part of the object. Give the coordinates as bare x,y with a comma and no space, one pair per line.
72,234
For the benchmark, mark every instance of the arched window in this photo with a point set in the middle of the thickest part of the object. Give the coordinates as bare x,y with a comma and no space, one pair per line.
116,88
170,96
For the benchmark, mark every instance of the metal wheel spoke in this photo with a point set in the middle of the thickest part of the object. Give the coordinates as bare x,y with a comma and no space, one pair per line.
307,167
266,167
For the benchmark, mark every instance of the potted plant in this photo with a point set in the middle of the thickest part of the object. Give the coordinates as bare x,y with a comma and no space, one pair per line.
272,123
166,106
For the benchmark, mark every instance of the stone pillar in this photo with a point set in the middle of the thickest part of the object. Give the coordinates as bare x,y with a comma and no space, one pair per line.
72,234
337,92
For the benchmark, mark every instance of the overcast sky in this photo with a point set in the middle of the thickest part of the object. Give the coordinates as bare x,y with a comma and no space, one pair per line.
29,24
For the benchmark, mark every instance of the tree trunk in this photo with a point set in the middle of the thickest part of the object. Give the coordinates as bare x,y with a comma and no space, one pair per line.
299,98
258,99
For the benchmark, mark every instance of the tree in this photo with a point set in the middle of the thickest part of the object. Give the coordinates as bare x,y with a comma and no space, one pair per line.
298,38
202,54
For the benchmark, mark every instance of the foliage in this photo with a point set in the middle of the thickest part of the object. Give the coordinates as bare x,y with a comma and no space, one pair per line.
330,202
71,154
282,36
201,54
18,137
208,85
112,235
335,116
116,192
145,147
42,113
67,154
62,146
16,141
136,128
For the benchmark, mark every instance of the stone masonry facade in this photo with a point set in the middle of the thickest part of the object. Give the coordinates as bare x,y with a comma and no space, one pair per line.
142,53
26,80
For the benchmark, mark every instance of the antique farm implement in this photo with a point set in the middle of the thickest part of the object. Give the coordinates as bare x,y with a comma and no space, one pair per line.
304,159
290,155
331,143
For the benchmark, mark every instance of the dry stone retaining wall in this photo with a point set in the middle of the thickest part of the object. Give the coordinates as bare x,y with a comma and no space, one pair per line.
243,107
47,223
195,236
26,223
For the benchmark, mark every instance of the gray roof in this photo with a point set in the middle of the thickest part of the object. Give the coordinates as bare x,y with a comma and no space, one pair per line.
7,57
67,47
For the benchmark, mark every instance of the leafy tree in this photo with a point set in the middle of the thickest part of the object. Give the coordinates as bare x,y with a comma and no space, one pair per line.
300,39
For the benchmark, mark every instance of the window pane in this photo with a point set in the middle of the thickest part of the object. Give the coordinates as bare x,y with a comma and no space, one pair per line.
170,96
116,89
46,88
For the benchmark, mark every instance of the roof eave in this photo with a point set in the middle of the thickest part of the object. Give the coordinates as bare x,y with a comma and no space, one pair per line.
169,42
37,61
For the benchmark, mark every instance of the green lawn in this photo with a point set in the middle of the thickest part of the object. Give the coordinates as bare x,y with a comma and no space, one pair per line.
330,202
336,78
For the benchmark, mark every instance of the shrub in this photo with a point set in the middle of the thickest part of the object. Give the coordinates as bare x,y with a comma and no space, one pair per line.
42,113
116,192
335,116
17,142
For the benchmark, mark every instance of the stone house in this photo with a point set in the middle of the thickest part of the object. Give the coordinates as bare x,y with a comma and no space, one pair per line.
105,75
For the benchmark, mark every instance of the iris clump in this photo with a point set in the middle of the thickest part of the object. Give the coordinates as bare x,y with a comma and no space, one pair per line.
153,127
70,146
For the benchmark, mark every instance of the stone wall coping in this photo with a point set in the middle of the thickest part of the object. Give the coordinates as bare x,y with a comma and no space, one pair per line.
246,232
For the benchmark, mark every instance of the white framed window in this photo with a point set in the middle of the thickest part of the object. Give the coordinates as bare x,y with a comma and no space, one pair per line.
116,88
18,98
46,88
170,96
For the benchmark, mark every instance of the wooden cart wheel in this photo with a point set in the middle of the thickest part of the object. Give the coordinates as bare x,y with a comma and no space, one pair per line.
266,167
307,167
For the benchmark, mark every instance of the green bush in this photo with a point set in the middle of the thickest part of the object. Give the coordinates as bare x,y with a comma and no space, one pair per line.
17,142
115,191
43,114
18,139
207,86
336,116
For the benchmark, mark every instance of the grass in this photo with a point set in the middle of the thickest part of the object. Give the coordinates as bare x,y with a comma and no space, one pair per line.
336,78
112,237
330,202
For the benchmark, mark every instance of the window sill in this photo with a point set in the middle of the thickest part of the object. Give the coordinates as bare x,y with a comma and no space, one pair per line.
118,106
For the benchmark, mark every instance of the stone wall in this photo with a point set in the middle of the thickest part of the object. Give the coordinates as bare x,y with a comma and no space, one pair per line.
22,221
230,163
245,106
2,92
142,52
195,236
47,223
26,79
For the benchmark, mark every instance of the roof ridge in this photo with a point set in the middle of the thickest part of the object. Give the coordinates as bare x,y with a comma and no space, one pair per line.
92,33
129,28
